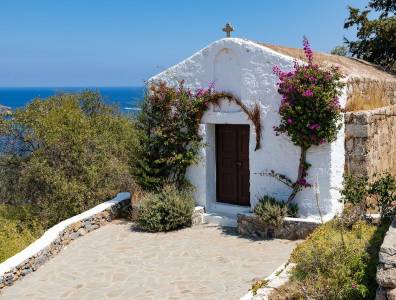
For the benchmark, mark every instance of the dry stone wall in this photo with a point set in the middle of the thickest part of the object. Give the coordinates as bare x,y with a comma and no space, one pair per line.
386,272
291,229
370,141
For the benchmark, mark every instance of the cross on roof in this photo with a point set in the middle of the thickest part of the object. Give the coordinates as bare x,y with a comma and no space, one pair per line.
228,29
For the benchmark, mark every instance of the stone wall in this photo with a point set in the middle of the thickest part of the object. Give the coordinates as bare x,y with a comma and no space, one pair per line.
292,228
386,272
48,247
370,141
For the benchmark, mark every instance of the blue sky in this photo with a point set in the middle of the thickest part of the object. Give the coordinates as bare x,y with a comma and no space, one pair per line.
122,43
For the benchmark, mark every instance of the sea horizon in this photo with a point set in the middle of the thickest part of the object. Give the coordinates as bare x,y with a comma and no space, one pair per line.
127,97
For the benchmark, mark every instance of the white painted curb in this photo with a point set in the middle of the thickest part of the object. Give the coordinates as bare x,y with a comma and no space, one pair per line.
275,280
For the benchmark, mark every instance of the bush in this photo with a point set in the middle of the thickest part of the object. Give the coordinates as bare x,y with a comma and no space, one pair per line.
65,154
383,189
272,212
168,135
338,263
355,189
165,210
358,193
19,226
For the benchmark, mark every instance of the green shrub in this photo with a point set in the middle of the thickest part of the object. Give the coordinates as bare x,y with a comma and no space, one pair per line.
168,135
338,263
272,212
355,189
383,189
19,226
359,192
165,210
65,154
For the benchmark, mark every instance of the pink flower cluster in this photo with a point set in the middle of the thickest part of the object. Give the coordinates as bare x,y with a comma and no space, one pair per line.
307,50
303,182
204,91
308,93
314,126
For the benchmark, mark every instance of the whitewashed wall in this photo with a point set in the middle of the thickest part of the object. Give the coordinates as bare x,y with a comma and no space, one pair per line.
244,68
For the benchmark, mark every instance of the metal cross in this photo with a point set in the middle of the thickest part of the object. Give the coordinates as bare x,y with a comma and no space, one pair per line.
228,28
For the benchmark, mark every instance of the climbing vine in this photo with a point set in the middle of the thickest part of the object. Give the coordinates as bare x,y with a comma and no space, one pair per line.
168,126
252,113
310,110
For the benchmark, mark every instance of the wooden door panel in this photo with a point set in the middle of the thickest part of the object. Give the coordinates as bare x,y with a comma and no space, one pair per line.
226,176
232,162
243,170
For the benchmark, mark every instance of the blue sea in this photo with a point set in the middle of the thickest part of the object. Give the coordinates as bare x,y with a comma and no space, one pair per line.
127,98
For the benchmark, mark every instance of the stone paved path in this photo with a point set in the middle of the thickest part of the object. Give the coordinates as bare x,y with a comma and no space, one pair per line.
115,262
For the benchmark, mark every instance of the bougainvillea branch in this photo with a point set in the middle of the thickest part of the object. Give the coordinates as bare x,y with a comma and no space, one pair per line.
253,113
310,110
168,127
280,177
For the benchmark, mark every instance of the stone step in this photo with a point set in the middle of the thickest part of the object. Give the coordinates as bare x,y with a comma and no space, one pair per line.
220,219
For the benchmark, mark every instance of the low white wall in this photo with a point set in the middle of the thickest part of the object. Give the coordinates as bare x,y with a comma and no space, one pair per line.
54,232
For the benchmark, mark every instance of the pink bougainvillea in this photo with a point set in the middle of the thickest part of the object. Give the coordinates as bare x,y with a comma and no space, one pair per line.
309,109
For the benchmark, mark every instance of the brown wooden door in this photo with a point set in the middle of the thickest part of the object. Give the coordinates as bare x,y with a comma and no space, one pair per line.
232,164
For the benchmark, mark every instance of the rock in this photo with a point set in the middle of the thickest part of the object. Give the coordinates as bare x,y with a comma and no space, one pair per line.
76,226
95,226
389,244
386,272
74,235
82,231
26,271
362,117
387,277
380,294
391,294
8,279
88,226
357,130
40,261
4,110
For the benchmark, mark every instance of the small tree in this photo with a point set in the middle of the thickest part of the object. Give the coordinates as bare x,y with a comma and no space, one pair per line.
65,154
376,39
310,110
340,51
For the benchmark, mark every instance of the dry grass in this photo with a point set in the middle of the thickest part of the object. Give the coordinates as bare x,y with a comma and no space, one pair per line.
368,83
366,95
288,291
